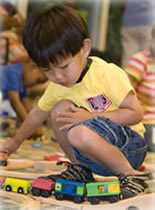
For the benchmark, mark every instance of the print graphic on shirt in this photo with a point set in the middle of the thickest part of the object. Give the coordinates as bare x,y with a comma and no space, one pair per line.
99,103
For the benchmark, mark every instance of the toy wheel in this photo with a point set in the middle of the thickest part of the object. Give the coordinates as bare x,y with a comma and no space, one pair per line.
94,200
78,199
121,196
20,190
59,196
8,188
114,199
35,192
45,193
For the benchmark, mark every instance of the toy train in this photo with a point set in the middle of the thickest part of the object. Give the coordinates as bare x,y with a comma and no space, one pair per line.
94,192
78,192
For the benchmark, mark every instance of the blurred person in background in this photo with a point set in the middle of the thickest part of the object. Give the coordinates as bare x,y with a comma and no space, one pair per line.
10,17
138,20
17,72
141,70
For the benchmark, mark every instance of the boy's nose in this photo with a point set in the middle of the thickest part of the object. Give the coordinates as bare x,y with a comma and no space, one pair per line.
59,77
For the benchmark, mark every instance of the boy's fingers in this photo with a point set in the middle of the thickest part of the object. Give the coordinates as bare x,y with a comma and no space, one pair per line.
66,126
65,114
64,120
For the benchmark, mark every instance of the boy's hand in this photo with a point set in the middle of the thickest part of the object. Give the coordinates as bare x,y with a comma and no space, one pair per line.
8,147
73,116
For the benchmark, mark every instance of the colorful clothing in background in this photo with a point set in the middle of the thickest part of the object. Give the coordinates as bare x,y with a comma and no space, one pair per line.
11,50
11,77
142,68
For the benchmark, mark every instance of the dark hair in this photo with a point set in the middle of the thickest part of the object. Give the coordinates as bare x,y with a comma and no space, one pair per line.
9,7
54,34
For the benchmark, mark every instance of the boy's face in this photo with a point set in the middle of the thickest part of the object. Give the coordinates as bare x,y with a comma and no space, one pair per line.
68,71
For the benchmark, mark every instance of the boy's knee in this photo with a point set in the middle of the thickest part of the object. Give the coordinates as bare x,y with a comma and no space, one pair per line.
77,136
61,106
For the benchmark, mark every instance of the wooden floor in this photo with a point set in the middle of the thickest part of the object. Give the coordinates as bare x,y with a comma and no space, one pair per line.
28,162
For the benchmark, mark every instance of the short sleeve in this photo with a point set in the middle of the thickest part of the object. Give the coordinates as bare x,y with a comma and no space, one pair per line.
49,98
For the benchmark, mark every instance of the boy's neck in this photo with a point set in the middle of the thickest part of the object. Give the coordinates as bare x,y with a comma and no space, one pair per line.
87,66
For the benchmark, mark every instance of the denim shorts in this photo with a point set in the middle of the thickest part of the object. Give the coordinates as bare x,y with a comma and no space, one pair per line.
132,145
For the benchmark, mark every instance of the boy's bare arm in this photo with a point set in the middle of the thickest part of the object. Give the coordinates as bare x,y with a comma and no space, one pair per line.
130,111
33,120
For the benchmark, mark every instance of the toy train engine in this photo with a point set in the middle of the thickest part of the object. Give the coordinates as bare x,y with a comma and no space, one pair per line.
42,186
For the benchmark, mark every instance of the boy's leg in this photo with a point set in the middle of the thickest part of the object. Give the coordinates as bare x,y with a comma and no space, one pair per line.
98,149
60,136
88,142
91,144
74,171
115,146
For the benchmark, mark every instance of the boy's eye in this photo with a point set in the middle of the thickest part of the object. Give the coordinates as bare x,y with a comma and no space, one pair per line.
64,67
45,69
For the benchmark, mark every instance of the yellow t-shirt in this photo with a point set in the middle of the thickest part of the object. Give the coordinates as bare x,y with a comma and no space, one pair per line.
103,88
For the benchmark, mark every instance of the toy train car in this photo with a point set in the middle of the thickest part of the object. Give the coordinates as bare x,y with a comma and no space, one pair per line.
41,186
16,185
106,191
67,189
94,192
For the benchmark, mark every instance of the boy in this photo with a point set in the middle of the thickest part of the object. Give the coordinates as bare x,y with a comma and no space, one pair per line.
90,113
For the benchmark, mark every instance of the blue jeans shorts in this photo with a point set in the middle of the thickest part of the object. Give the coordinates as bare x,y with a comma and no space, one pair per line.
132,145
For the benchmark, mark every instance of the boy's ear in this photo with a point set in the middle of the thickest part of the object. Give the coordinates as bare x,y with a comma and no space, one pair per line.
87,44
